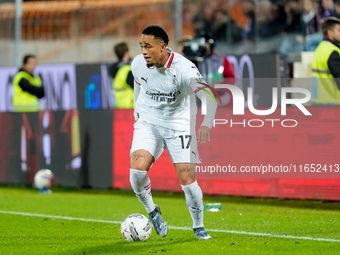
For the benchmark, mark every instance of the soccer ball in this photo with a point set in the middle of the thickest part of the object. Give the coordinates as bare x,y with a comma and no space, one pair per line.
44,179
136,227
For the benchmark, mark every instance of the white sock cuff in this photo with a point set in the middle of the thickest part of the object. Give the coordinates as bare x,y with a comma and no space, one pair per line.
139,179
134,171
189,186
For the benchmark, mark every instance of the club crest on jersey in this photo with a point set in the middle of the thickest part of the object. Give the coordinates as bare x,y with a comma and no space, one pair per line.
175,82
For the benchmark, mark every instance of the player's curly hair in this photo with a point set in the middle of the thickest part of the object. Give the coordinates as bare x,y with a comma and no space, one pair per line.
158,32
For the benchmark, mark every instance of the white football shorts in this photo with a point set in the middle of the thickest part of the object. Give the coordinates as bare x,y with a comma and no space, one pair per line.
181,145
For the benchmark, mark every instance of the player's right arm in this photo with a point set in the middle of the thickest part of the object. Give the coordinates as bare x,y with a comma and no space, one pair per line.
136,94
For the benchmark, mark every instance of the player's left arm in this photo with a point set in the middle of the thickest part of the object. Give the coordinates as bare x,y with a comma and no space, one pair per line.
204,93
203,133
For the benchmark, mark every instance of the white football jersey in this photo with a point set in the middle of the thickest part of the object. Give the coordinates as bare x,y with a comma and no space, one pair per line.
166,95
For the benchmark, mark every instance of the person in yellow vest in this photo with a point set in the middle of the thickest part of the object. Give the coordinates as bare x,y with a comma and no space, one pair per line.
123,80
326,65
27,88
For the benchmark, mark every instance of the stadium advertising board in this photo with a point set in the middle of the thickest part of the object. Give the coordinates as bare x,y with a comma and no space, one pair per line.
299,162
39,140
73,144
94,87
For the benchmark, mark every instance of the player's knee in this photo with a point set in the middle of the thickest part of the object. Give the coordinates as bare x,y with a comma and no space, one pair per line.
140,160
186,179
139,166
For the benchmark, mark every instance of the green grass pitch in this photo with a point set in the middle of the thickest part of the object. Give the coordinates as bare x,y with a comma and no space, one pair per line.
88,222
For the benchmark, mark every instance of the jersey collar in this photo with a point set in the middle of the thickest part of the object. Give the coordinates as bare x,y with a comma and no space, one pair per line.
170,59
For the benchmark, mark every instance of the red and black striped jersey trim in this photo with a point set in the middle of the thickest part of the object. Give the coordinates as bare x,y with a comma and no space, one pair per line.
170,60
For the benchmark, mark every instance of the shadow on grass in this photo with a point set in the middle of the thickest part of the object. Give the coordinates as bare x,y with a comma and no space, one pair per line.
124,247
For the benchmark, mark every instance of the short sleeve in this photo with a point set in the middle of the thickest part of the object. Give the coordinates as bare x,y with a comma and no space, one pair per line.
193,77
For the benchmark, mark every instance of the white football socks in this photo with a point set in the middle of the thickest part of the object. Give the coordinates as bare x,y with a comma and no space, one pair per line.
194,200
141,185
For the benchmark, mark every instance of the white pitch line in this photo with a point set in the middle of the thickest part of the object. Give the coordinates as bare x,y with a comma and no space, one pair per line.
59,217
173,227
262,234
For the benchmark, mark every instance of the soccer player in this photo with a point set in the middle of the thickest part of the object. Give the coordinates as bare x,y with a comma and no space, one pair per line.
165,114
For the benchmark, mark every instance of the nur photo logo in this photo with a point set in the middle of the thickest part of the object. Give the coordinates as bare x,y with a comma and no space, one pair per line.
239,104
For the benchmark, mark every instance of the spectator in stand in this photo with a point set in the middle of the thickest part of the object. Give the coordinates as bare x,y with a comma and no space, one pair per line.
311,25
199,24
326,9
271,18
248,8
310,20
293,12
337,8
222,27
236,13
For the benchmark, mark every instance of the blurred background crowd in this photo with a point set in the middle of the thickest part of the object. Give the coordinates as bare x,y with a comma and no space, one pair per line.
245,19
84,30
290,25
